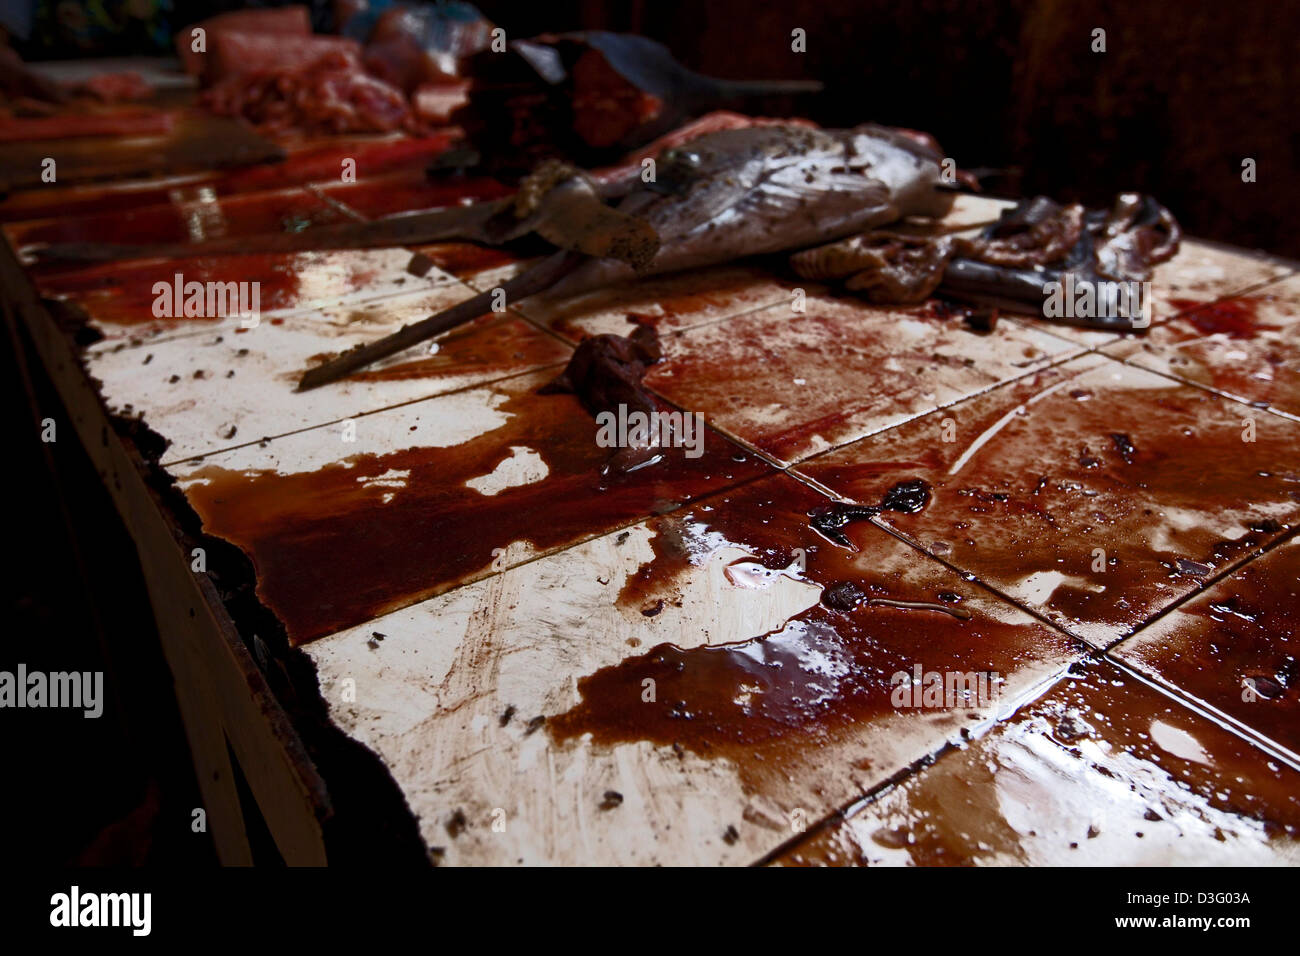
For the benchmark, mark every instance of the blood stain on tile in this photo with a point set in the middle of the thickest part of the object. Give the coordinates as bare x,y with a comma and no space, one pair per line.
767,704
320,162
795,384
206,217
1244,347
1103,770
494,344
407,191
1235,648
1094,492
668,303
118,297
332,549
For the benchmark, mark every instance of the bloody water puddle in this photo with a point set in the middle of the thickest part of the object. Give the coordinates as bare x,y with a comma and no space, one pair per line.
1099,500
123,293
289,210
1237,646
335,547
1102,769
769,704
317,162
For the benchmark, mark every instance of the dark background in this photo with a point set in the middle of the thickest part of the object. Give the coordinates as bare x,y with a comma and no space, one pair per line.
1184,92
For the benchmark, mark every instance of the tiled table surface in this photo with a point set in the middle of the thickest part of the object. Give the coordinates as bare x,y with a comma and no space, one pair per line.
674,666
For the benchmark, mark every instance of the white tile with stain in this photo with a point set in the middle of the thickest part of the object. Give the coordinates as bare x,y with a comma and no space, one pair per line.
221,389
452,699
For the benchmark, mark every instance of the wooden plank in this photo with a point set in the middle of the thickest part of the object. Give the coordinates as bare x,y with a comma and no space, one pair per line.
222,694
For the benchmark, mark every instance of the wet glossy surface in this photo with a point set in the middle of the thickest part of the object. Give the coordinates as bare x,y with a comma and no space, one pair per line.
500,610
1236,648
826,676
467,692
410,190
234,385
318,162
196,215
794,384
1093,491
1245,347
1102,771
371,526
119,298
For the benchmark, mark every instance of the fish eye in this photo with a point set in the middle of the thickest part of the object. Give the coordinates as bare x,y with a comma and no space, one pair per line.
686,158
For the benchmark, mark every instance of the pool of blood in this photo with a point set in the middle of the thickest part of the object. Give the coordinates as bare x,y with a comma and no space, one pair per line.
768,702
122,292
1053,484
1237,317
1237,647
1094,740
330,552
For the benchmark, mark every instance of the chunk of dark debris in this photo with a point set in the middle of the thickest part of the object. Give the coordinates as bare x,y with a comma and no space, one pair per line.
1195,568
611,800
730,835
457,823
842,596
507,714
534,725
1123,445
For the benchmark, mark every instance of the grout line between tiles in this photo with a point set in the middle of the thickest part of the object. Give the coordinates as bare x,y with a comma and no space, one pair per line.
1231,724
866,797
167,463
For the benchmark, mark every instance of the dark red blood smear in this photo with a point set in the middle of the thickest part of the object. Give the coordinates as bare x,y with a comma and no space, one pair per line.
1180,452
1237,318
769,702
1104,707
122,292
411,190
330,553
906,497
465,259
290,210
1247,628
